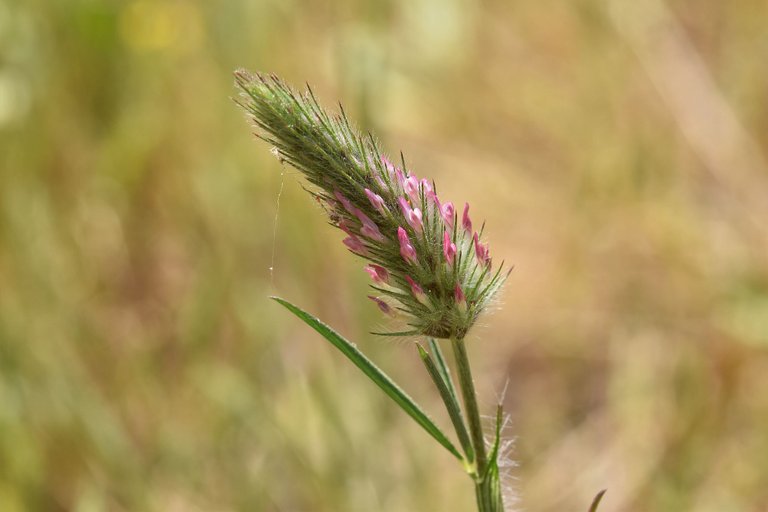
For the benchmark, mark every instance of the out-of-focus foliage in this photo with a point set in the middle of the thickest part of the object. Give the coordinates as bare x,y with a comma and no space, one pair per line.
617,149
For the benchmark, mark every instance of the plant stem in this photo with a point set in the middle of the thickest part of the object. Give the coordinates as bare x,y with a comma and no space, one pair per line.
487,482
486,475
470,403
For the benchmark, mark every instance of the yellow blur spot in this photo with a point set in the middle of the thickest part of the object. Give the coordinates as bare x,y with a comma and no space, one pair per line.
147,25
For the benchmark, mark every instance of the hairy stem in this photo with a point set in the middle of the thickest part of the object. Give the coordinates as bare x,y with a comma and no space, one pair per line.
487,489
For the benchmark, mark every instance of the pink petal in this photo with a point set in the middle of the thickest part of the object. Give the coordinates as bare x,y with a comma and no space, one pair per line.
481,251
355,245
404,206
369,229
447,212
411,187
345,202
383,306
458,296
379,274
406,249
417,291
414,220
431,196
449,248
376,200
465,220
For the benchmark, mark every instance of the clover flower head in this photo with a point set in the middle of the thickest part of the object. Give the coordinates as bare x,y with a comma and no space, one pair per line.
438,273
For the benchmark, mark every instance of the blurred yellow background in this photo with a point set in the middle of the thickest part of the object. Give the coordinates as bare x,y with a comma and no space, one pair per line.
617,149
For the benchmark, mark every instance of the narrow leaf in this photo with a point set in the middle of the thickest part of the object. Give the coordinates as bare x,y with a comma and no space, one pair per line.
375,374
597,500
451,404
394,334
442,365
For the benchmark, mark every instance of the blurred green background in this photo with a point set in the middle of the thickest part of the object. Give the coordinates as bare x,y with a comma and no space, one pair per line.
616,148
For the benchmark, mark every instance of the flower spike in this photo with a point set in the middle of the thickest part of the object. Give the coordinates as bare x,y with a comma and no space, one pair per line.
438,273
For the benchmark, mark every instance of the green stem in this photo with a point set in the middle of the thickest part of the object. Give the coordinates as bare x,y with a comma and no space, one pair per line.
470,403
486,476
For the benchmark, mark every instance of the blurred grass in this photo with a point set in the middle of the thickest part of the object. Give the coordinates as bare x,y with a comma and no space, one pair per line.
617,150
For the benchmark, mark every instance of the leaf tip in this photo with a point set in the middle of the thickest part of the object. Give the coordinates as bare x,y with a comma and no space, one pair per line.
422,353
596,501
